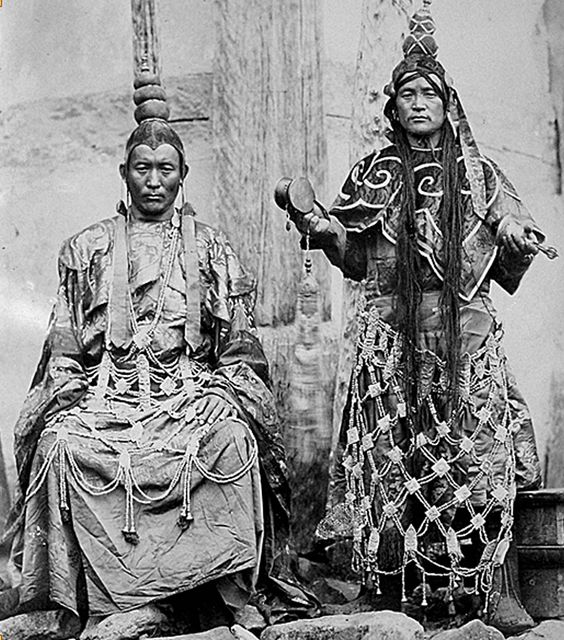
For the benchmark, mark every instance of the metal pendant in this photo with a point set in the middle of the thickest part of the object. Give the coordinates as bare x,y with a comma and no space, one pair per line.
142,339
187,376
103,379
168,386
144,380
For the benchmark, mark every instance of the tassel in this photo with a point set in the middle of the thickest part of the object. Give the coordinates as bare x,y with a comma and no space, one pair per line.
451,607
131,536
373,545
424,602
377,583
185,518
403,594
63,489
307,258
129,532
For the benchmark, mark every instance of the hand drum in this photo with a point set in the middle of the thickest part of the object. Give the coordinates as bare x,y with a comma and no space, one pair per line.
294,195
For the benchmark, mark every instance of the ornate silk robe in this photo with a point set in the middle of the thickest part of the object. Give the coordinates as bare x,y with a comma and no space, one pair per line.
126,497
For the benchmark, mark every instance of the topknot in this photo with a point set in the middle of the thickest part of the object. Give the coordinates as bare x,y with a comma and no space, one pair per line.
149,96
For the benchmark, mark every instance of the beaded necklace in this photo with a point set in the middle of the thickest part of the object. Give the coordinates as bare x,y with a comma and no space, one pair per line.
142,336
149,370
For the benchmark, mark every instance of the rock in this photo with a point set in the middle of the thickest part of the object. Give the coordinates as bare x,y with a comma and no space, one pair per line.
240,633
320,580
349,590
250,618
148,621
219,633
382,625
41,625
473,630
546,630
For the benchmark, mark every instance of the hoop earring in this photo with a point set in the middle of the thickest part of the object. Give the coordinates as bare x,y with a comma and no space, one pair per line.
126,198
181,193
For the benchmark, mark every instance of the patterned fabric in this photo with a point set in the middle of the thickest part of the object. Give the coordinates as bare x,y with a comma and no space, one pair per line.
434,493
371,196
121,485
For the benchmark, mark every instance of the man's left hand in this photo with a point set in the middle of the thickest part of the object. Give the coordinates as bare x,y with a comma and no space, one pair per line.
212,408
518,238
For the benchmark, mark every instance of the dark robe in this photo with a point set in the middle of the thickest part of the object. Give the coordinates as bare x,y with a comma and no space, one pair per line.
436,492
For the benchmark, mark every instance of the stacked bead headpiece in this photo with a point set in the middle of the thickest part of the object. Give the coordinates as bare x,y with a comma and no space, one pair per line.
151,114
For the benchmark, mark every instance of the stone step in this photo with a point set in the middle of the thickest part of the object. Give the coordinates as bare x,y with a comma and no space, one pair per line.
236,632
381,625
41,625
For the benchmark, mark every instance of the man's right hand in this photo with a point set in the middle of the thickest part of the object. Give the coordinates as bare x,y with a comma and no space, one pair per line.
318,227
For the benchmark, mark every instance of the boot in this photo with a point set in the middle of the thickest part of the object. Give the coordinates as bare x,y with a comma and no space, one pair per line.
505,611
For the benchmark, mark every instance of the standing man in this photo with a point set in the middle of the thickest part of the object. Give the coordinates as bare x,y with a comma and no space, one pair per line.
436,438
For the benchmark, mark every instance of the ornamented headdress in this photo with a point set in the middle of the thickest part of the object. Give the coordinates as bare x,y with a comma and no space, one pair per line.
420,59
420,54
152,113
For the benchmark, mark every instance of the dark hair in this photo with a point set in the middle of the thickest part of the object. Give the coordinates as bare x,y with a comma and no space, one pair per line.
154,132
409,290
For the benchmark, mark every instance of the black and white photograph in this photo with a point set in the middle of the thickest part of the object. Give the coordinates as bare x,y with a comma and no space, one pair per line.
281,337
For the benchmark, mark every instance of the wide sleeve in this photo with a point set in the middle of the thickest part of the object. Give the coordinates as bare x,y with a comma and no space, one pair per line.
369,190
241,373
59,381
354,264
505,204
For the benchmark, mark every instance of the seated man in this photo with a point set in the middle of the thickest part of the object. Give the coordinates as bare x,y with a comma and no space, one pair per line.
148,441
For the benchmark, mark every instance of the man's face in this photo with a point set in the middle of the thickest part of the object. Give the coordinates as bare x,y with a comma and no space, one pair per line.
153,178
420,109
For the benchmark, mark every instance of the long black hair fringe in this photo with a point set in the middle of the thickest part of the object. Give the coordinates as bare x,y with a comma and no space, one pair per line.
408,293
452,231
408,290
